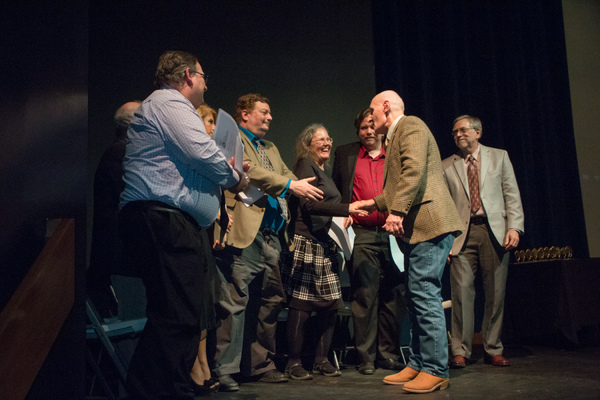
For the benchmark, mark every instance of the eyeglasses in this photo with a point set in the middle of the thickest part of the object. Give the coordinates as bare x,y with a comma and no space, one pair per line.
461,130
323,140
205,76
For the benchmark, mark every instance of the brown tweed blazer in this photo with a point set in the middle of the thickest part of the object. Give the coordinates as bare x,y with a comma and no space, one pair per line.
414,186
247,220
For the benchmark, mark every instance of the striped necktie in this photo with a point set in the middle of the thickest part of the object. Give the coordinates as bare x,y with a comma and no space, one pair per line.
473,175
266,164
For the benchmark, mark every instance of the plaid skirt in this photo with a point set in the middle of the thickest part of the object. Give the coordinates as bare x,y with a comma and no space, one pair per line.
310,272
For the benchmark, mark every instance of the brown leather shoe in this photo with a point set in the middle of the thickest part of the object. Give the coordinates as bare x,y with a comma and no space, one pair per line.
496,361
402,377
426,383
458,362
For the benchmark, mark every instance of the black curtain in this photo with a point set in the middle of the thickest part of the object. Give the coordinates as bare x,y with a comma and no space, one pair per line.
504,62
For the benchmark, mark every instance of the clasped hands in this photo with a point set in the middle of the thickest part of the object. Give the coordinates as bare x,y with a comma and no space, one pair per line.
393,223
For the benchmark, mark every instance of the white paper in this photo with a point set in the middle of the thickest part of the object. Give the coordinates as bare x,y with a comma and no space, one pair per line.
342,235
250,195
227,137
397,254
345,240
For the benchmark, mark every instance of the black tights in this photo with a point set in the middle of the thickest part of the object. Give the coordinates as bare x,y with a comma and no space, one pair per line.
296,328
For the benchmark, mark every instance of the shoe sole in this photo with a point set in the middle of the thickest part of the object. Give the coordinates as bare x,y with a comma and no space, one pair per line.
394,382
496,365
301,378
329,375
228,388
441,386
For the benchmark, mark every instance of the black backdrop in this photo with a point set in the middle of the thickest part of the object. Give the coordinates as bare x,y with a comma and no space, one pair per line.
504,62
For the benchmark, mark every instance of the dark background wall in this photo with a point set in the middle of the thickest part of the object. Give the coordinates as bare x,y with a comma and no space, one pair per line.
582,35
505,62
43,139
312,59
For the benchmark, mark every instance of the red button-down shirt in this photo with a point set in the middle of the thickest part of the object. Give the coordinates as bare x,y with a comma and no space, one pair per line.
368,183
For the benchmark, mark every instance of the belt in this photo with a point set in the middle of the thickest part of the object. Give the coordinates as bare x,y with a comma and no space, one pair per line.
154,205
478,220
372,228
269,232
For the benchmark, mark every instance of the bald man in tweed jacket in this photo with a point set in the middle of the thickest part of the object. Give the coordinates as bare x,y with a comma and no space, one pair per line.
424,220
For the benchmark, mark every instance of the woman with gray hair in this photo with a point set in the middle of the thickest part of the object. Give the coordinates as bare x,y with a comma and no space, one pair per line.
310,273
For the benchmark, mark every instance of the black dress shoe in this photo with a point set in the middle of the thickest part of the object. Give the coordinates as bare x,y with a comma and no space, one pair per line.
390,363
210,387
366,368
273,376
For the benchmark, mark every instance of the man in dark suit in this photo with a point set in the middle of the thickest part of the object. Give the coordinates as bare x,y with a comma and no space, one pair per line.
483,186
377,301
106,258
424,220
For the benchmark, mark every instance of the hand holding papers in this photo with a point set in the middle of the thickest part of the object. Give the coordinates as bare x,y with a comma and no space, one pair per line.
227,137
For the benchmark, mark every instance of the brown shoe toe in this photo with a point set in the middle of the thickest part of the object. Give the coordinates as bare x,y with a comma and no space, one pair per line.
458,362
497,361
402,377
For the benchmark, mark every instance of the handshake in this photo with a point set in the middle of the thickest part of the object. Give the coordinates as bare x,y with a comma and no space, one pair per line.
393,223
362,207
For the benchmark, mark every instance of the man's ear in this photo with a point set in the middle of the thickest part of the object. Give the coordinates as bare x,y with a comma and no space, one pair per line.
188,77
386,106
245,115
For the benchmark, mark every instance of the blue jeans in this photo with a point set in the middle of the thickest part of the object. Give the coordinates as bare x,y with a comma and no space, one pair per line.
424,264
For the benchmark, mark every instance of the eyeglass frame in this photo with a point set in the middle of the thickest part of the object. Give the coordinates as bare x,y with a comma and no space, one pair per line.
323,140
462,130
203,75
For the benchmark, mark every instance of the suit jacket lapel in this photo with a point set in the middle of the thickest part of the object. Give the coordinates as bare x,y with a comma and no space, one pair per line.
352,159
461,172
390,146
484,155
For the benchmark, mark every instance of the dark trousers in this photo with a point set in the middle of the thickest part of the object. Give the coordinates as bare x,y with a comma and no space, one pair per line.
378,305
252,297
172,254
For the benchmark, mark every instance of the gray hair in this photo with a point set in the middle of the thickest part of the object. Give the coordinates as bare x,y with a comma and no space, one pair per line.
304,139
475,122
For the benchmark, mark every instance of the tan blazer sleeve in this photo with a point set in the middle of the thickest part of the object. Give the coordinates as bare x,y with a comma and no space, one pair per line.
271,182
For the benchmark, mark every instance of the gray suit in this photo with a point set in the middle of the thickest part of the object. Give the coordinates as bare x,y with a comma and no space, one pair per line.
481,245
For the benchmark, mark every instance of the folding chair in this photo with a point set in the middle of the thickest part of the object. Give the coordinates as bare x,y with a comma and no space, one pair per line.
111,331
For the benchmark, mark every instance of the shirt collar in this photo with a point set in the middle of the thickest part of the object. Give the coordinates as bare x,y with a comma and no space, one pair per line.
393,126
363,152
251,136
475,153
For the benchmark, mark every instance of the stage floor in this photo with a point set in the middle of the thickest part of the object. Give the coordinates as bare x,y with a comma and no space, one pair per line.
536,373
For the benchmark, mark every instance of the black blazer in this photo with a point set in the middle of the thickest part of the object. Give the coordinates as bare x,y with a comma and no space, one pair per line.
344,166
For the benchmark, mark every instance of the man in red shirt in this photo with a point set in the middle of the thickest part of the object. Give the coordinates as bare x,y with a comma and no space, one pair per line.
378,306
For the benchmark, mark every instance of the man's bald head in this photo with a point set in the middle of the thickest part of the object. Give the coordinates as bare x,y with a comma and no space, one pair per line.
387,106
124,116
